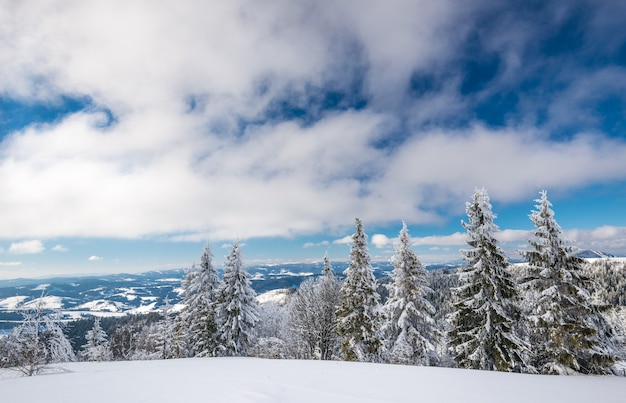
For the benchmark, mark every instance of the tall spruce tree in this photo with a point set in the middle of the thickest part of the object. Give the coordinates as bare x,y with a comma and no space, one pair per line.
237,308
563,320
360,316
184,320
409,330
202,321
482,334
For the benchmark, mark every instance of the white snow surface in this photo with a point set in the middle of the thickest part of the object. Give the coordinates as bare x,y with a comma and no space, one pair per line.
259,380
48,302
41,287
12,302
101,305
143,309
278,296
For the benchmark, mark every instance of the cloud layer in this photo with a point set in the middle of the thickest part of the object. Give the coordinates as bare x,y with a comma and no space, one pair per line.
215,120
26,247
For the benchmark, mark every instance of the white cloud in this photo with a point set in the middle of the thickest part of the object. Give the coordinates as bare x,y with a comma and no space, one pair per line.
95,258
380,240
166,169
60,248
346,240
610,239
230,245
315,244
457,238
607,232
513,235
26,247
436,170
9,264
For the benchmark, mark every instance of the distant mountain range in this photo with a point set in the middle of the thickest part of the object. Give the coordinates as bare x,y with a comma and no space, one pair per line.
120,294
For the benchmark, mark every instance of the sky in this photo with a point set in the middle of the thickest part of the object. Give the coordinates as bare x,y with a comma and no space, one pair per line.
133,133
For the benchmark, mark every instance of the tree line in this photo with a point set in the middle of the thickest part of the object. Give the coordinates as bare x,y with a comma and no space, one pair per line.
541,317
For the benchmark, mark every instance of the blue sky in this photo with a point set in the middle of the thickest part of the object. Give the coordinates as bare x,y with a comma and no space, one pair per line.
131,134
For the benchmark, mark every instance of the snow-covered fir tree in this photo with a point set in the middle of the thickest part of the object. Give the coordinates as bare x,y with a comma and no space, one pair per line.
148,342
359,316
237,308
97,346
327,268
410,331
200,295
482,335
159,340
184,319
563,320
312,320
169,343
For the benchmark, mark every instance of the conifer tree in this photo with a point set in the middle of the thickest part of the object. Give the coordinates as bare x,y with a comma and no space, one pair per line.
168,342
563,320
185,342
201,307
359,316
327,269
409,330
482,334
237,308
97,346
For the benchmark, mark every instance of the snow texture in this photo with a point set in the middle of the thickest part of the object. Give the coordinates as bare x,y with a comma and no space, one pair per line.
239,380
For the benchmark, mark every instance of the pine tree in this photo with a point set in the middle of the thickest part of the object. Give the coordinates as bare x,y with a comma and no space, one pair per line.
359,316
482,334
168,342
327,269
200,307
409,330
237,308
186,318
97,346
563,320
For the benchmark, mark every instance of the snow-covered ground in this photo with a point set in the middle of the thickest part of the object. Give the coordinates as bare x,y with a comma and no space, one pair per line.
258,380
12,302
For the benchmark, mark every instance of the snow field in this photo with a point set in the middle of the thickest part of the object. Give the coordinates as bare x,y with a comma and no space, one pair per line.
235,380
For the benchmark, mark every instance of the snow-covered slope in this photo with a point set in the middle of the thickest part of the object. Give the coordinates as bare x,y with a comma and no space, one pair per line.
12,302
279,296
593,254
235,380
